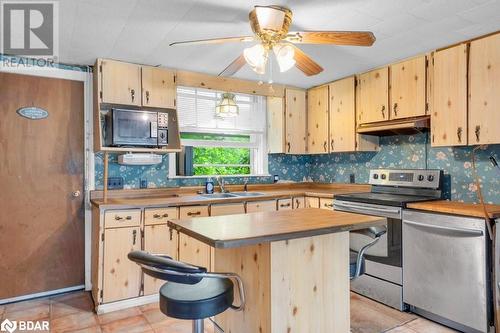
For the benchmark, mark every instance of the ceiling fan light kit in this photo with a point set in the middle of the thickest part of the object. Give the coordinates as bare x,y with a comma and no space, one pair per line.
227,107
270,25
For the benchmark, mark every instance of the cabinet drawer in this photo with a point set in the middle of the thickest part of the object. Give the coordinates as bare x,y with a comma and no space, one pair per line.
326,203
312,202
284,204
159,215
227,209
299,202
122,218
261,206
187,212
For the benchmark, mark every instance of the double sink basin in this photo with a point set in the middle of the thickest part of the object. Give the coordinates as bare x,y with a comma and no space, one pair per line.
230,195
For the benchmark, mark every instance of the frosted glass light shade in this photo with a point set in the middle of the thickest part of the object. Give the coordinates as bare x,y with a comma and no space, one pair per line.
285,56
256,57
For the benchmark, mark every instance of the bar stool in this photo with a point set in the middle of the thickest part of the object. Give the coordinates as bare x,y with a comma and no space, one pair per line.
192,293
357,259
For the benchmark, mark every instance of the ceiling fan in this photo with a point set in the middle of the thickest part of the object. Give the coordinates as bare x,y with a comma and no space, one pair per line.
270,25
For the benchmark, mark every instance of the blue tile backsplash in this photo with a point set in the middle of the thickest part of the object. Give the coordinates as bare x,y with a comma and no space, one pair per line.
402,151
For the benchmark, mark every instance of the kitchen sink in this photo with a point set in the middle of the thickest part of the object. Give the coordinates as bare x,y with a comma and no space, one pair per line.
218,195
248,194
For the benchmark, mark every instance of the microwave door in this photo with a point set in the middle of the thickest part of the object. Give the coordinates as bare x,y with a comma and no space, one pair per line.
134,128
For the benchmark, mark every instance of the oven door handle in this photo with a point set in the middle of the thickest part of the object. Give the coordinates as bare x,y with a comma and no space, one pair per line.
463,231
367,208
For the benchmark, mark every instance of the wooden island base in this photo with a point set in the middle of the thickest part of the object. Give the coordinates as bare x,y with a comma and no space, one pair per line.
297,285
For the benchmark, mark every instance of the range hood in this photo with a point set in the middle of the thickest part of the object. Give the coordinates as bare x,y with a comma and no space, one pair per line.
397,126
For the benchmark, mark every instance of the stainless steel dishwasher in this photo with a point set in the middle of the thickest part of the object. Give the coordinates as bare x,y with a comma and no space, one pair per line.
446,274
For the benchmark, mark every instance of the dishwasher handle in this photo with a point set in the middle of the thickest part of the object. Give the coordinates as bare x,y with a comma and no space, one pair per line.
461,231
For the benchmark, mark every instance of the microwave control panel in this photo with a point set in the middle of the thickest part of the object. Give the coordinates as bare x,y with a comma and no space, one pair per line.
162,129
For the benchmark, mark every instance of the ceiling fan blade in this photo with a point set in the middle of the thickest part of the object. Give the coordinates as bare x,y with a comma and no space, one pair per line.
215,40
355,38
305,63
234,66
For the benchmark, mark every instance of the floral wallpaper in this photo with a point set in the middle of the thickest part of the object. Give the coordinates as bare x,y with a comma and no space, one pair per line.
402,151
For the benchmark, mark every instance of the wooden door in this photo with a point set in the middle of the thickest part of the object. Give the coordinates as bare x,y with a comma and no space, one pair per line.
159,240
158,87
408,88
373,96
285,204
41,177
484,88
342,115
295,123
191,250
121,276
261,206
449,97
275,125
120,83
317,120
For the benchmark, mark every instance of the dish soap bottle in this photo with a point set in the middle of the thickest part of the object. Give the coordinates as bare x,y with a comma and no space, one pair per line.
209,186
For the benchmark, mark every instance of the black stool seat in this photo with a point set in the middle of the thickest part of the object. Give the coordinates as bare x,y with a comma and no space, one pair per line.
353,256
207,298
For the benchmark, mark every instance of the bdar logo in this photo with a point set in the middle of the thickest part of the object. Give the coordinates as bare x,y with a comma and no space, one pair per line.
9,326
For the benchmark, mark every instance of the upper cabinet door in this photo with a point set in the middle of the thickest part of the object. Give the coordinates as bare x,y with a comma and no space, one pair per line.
342,115
484,90
408,88
120,83
449,97
317,120
373,96
275,125
158,87
295,123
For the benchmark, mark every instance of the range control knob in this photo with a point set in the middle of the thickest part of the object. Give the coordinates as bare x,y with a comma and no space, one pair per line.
162,135
383,176
430,178
375,176
421,177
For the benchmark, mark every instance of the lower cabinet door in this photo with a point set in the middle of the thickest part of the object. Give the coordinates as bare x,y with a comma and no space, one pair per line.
158,240
285,204
326,203
193,251
121,277
299,202
312,202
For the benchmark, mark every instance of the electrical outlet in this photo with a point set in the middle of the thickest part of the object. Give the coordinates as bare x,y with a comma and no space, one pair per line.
115,183
352,178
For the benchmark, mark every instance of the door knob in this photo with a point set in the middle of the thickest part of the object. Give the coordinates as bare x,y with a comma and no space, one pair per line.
76,194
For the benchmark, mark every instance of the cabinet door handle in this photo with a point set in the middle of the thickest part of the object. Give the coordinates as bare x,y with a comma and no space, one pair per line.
285,205
332,143
158,216
297,203
459,134
147,96
132,94
383,111
193,213
289,145
329,205
478,132
395,109
118,218
325,146
134,237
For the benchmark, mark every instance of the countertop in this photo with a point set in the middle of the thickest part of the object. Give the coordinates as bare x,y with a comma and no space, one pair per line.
457,208
248,229
188,196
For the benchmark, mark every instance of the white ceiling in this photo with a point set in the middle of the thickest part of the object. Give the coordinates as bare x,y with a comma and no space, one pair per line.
140,31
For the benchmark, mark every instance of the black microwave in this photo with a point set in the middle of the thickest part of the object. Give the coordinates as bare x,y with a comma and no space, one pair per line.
136,128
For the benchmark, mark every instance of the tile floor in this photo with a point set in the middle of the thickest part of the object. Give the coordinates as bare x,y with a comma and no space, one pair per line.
73,312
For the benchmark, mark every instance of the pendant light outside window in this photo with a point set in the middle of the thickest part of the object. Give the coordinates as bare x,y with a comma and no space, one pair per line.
227,107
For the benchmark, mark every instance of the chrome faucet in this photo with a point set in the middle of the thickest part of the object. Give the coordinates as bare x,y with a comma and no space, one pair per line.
245,185
222,184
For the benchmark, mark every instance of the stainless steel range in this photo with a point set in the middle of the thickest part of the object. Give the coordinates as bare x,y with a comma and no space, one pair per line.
391,190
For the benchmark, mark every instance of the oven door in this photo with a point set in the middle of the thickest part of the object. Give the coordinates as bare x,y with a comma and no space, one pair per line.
135,128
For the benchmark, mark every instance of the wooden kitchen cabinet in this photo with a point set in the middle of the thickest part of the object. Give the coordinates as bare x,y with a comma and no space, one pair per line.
342,115
449,97
326,203
122,218
158,87
484,90
299,202
373,96
285,204
312,202
317,120
121,277
227,209
295,121
261,206
191,250
160,215
407,84
159,239
120,82
275,125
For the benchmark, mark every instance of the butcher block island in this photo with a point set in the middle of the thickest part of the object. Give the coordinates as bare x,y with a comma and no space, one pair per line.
294,266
